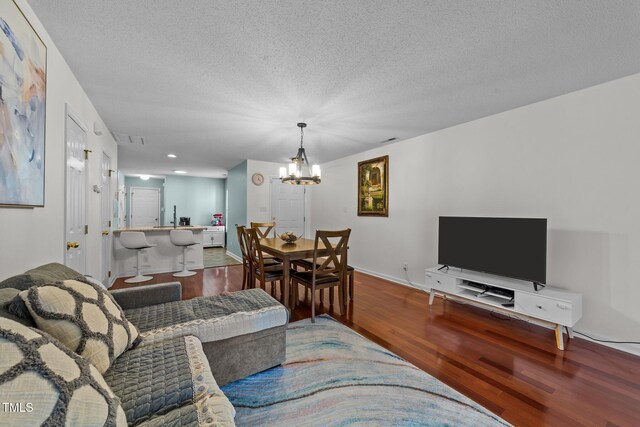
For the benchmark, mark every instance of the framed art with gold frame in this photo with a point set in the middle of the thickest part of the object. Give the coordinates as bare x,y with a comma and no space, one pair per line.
373,187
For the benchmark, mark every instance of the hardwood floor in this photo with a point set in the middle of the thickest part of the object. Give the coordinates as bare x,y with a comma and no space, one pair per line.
509,366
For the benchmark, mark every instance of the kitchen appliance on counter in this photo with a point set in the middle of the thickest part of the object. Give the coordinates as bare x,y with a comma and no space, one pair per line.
185,221
217,220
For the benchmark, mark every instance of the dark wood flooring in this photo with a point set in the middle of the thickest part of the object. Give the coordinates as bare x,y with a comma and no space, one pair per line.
511,367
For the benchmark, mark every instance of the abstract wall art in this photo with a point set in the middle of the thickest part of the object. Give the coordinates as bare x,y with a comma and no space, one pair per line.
23,74
373,187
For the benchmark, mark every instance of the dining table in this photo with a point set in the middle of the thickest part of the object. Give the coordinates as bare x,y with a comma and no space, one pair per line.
288,252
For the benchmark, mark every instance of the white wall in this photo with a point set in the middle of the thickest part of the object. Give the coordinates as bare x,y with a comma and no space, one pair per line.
259,196
30,237
572,159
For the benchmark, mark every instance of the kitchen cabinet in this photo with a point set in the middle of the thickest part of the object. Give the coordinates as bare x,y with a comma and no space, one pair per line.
213,236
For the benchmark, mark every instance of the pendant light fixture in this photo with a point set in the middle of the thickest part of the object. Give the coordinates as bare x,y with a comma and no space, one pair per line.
299,165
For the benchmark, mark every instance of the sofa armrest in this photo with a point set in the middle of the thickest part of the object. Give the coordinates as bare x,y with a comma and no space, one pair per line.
142,296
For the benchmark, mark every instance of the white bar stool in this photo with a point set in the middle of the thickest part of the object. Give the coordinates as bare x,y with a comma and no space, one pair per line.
185,239
138,241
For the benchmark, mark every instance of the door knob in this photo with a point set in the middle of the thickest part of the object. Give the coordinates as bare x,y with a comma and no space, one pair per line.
72,245
105,233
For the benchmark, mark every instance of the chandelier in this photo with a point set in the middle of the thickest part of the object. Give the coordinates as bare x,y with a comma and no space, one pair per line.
300,164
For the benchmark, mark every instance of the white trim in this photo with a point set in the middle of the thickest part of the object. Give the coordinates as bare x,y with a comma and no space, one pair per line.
393,279
112,280
109,215
68,112
234,256
627,348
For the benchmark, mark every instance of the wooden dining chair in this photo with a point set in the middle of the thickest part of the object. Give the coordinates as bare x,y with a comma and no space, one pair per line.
264,229
327,271
246,261
307,265
248,281
265,271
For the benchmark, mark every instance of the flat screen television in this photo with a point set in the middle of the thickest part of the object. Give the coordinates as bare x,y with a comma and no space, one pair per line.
510,247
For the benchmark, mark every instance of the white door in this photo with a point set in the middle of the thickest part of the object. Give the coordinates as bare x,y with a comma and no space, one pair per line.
287,207
145,207
75,193
105,202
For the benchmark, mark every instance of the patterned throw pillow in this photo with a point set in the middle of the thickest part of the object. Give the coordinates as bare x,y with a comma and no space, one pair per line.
42,382
84,317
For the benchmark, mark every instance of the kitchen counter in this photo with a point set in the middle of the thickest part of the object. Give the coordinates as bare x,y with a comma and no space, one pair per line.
165,257
161,228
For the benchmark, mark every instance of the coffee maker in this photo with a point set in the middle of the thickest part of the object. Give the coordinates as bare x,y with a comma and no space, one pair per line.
185,220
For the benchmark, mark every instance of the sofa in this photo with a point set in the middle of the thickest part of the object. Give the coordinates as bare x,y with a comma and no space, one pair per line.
170,370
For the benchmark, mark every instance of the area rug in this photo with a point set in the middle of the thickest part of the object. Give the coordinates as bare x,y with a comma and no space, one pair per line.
217,257
333,376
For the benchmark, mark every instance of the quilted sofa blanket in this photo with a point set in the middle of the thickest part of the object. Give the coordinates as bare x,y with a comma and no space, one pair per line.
209,318
333,376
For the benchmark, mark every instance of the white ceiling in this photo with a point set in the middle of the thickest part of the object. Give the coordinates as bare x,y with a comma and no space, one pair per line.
216,82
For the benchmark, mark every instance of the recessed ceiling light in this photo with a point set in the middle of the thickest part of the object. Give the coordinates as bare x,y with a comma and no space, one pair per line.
144,177
173,156
179,171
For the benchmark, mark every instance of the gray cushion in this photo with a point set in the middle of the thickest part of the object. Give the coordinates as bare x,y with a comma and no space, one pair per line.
54,272
209,318
152,380
155,379
42,275
21,282
178,312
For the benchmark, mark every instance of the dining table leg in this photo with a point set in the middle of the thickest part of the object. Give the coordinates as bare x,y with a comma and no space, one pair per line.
286,265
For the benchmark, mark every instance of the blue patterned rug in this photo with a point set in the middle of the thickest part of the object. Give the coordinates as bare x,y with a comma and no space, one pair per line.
335,377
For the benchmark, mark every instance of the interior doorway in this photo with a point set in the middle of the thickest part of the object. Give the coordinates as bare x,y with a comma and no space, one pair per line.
145,207
75,192
287,207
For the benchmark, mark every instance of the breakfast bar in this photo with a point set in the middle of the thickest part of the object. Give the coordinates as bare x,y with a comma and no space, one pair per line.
163,258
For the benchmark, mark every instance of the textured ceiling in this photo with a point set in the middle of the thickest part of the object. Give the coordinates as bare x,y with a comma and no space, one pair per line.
216,82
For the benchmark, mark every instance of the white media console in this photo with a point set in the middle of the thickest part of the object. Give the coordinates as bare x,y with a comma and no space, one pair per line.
556,307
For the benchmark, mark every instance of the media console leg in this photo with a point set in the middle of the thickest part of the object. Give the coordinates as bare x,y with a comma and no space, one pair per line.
570,332
432,295
559,338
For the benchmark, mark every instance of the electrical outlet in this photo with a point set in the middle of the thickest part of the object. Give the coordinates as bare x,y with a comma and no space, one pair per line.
405,266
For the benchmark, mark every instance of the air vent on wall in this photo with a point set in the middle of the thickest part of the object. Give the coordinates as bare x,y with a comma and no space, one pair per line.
122,138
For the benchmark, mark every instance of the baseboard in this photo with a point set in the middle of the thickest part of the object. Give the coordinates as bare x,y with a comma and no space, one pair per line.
234,256
393,279
156,271
112,280
627,348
